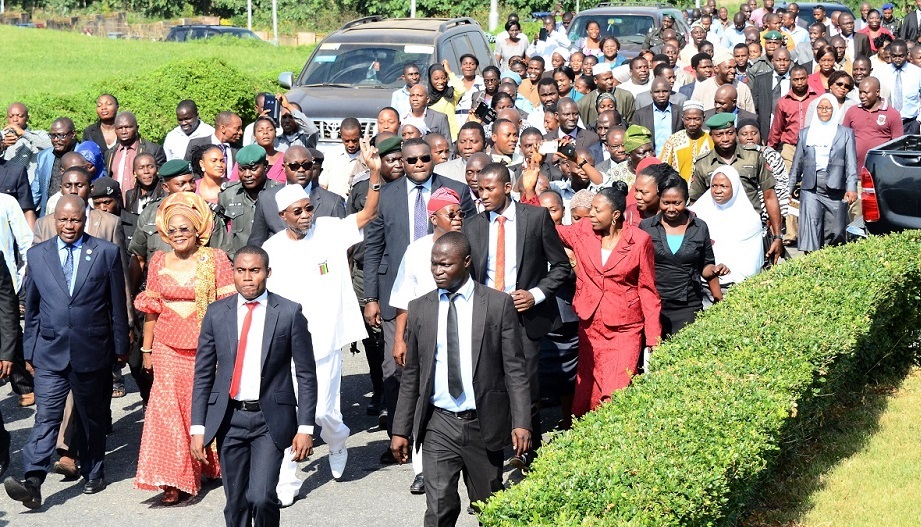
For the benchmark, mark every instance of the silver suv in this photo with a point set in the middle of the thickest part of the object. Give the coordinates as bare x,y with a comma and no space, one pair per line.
354,71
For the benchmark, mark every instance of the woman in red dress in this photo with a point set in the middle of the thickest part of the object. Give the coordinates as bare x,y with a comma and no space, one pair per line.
180,285
616,299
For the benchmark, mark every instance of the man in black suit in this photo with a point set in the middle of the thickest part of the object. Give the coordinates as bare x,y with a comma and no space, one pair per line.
648,116
568,113
525,259
402,218
300,169
911,24
465,394
243,393
228,131
120,158
725,101
858,43
76,326
768,88
10,335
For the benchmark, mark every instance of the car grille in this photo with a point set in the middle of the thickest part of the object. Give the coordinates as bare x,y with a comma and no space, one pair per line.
329,128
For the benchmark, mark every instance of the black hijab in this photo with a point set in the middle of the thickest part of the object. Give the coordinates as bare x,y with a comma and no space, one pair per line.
435,95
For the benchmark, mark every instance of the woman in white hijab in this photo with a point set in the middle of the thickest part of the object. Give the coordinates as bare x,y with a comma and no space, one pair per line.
735,227
826,163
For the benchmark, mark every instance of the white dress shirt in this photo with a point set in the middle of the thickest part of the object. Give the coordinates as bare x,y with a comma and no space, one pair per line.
411,200
511,261
176,142
251,377
414,278
441,396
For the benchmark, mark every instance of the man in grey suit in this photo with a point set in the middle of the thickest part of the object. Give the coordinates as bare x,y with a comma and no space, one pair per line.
250,406
421,116
402,218
648,116
465,394
299,170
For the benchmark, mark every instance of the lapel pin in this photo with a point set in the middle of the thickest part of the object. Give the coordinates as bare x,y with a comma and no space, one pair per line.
89,251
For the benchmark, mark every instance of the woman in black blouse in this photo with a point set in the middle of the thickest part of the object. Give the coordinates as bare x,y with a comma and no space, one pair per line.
684,256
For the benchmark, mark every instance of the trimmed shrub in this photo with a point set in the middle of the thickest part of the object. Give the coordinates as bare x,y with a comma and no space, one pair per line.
689,443
213,84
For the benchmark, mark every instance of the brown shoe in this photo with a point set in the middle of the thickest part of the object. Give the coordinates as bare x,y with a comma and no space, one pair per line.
27,399
67,467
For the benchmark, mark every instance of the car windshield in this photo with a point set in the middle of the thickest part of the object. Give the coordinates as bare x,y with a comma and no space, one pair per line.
241,33
627,28
364,65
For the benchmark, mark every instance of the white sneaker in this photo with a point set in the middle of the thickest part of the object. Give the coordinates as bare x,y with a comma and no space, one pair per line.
337,462
286,501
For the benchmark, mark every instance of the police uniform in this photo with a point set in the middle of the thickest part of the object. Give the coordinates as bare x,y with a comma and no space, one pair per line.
238,208
147,240
747,160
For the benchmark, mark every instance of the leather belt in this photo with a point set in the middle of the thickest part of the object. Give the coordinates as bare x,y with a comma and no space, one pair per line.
466,415
461,112
246,406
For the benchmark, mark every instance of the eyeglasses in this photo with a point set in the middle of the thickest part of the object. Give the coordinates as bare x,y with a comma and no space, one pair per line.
452,215
298,211
254,166
61,136
413,160
844,84
178,230
306,165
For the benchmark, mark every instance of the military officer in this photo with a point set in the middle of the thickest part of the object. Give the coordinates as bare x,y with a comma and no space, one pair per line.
752,168
655,36
238,198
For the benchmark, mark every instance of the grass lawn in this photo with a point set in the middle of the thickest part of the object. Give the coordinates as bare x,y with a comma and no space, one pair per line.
864,471
58,62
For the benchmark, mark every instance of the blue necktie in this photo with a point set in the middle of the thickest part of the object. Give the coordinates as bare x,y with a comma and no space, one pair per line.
420,215
69,265
897,92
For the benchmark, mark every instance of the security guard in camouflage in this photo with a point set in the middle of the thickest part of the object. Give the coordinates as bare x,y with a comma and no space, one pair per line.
238,198
177,177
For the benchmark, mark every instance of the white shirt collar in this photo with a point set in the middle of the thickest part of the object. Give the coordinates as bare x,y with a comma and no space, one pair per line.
411,185
465,291
509,213
261,299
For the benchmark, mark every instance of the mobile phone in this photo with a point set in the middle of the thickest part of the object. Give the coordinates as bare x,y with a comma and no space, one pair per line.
271,105
548,147
567,150
485,113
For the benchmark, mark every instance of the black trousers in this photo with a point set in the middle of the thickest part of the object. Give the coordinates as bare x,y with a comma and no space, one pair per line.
374,344
250,461
452,445
531,349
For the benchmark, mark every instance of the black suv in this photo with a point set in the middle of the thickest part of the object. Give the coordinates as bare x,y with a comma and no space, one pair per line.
354,71
196,32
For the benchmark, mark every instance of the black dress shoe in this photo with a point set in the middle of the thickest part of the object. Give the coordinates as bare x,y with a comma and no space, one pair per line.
522,462
4,452
374,407
94,485
418,486
25,491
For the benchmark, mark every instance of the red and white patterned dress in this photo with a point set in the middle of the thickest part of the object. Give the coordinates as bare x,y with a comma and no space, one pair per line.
165,459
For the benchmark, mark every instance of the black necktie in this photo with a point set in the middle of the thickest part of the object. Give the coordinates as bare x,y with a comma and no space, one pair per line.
775,93
455,381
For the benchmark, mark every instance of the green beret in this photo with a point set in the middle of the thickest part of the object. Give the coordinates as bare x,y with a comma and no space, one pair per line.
635,137
773,35
250,155
389,145
721,120
176,167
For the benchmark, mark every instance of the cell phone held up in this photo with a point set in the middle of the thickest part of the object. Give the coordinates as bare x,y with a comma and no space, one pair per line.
272,108
484,113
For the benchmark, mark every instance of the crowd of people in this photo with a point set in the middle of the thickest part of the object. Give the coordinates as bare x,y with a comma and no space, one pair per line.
506,239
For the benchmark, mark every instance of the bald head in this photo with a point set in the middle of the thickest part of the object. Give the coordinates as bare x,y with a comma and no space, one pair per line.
296,151
71,160
725,98
868,91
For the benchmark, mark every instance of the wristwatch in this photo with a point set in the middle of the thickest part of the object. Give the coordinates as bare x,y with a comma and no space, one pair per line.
584,161
375,187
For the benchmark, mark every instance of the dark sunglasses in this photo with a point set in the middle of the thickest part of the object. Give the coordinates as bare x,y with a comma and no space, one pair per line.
298,211
306,165
61,136
451,215
843,84
412,160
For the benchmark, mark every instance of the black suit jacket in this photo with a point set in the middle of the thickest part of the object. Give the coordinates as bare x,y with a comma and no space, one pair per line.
500,382
145,147
10,331
267,222
910,29
285,337
86,330
761,86
205,141
542,262
387,237
93,133
644,117
861,45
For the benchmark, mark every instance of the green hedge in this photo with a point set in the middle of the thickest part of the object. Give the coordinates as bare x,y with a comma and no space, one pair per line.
213,84
690,443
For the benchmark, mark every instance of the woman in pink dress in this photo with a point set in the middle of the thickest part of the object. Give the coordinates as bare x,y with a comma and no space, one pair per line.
180,286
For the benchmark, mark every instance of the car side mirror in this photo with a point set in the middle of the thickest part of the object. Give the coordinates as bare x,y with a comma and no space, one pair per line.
286,79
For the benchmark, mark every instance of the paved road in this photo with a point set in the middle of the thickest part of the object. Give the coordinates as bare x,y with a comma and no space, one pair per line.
368,495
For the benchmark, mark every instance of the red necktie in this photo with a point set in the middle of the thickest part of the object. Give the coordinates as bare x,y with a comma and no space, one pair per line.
241,350
500,255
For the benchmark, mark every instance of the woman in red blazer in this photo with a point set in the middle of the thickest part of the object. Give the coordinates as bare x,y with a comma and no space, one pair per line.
616,298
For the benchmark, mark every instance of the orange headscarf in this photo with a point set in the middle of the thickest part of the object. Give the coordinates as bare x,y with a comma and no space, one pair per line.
190,206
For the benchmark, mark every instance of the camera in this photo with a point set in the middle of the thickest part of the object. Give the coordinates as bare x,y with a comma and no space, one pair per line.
485,113
567,150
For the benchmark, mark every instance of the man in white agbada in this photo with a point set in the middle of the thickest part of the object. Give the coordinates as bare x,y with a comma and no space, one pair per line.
415,279
310,266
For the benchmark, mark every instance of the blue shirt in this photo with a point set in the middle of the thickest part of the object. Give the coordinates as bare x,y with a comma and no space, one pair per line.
441,396
662,119
910,87
62,254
